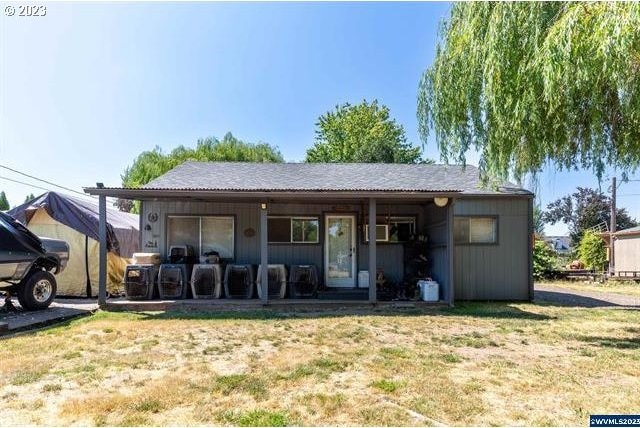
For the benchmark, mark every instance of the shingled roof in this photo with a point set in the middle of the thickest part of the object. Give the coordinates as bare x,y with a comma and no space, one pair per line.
313,177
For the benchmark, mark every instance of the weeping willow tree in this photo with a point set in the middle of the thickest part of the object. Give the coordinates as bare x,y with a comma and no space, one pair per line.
536,84
151,164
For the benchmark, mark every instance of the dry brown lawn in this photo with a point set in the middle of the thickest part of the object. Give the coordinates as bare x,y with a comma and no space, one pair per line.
628,288
477,364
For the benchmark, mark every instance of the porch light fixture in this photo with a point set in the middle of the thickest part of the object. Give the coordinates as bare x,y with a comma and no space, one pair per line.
440,202
263,206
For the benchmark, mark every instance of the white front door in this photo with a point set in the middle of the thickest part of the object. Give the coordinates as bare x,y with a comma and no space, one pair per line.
340,251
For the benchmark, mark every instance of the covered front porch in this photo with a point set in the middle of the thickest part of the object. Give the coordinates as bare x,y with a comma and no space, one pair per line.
327,230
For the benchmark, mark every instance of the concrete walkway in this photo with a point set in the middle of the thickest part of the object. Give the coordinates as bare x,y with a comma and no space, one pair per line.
59,311
586,299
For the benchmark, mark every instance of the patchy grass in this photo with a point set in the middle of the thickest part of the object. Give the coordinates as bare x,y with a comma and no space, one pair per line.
476,364
628,288
386,385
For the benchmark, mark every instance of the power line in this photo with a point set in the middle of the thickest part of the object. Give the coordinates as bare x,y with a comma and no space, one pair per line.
22,182
48,190
44,181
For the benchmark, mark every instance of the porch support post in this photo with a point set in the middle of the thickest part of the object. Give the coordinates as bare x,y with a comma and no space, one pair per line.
372,251
102,236
450,252
264,255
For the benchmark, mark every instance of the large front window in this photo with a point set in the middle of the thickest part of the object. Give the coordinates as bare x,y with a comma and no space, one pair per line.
203,233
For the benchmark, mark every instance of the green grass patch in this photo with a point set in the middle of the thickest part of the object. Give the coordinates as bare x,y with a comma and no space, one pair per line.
257,418
252,385
24,378
52,387
149,406
451,358
472,340
386,385
396,352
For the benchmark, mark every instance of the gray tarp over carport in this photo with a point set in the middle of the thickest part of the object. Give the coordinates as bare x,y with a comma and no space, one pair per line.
76,221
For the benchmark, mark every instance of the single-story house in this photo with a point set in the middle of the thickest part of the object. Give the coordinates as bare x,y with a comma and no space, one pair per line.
76,221
478,241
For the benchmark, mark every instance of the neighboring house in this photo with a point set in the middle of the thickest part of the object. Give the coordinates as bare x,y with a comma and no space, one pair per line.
479,240
75,220
560,244
627,252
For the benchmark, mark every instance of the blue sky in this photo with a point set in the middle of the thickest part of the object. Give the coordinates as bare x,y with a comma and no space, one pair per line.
86,88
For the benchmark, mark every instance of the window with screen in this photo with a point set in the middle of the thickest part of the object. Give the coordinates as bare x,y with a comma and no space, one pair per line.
475,230
203,233
393,229
296,230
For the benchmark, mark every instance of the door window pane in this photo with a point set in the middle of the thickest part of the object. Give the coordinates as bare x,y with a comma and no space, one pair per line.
339,233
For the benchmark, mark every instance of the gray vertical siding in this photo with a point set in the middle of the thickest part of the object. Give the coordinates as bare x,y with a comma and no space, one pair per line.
247,215
495,272
481,272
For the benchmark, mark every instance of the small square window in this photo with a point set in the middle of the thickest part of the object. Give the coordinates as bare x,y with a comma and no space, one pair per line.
475,230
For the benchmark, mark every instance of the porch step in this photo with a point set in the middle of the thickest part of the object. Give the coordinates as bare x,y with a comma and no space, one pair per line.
344,294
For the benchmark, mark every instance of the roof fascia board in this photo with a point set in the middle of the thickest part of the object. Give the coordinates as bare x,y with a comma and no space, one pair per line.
143,194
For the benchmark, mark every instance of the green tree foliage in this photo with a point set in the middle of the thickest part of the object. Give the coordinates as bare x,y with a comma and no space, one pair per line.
30,197
592,251
361,133
152,164
584,209
4,202
538,221
544,259
531,84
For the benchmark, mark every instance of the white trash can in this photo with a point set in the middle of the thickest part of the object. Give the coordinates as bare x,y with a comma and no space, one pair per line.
429,290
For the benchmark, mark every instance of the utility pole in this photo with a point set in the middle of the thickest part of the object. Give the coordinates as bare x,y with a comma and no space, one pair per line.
612,229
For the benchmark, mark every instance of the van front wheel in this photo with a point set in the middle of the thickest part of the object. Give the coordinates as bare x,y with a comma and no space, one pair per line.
37,291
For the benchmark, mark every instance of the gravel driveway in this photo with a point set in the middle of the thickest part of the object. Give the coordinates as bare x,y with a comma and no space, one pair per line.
586,299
